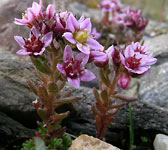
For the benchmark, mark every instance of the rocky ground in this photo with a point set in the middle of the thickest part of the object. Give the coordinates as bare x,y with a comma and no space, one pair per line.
18,116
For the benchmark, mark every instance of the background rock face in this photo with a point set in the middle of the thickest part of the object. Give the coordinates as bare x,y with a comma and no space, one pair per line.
154,86
159,46
15,97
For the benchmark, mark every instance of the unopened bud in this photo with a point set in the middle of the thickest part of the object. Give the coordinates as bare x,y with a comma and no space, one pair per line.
124,81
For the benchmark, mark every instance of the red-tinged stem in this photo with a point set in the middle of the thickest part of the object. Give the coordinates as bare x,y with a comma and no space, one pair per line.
106,19
103,129
114,82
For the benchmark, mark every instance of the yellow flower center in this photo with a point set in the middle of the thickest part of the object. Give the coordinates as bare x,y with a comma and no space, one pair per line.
81,36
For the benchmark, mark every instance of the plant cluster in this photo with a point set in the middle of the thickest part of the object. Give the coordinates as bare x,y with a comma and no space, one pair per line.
126,24
60,46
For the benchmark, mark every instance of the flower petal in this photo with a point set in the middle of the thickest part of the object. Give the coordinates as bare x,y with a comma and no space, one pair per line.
110,50
84,49
94,44
72,23
34,31
86,25
50,11
141,70
68,55
129,51
20,41
30,14
40,53
23,52
60,67
36,8
81,57
21,21
87,76
122,59
69,37
74,82
47,39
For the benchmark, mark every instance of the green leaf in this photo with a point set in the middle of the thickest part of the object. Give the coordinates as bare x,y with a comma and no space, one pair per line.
32,87
41,64
41,112
97,96
104,96
52,87
40,145
103,77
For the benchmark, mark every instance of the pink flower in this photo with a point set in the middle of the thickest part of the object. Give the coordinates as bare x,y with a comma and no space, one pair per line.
124,81
101,57
110,5
61,19
96,35
134,19
50,11
136,59
119,18
31,15
80,34
34,45
74,67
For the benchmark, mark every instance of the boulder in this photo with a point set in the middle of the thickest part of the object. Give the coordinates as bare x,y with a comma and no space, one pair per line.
161,142
85,142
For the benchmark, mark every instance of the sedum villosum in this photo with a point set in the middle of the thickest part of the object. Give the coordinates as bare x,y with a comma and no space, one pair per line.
53,38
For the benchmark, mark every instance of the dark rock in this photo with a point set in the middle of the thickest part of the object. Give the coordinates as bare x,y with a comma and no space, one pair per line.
154,86
15,96
10,130
146,116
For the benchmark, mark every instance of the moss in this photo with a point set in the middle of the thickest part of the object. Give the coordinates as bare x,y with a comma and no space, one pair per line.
62,143
28,145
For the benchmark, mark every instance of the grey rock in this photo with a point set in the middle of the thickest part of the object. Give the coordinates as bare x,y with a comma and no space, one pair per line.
10,9
155,28
161,142
81,9
15,96
10,129
154,86
159,46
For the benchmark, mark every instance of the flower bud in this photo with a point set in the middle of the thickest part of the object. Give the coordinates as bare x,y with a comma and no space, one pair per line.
116,56
124,81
